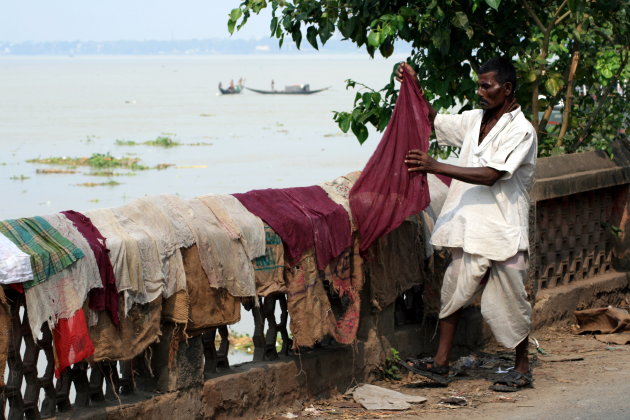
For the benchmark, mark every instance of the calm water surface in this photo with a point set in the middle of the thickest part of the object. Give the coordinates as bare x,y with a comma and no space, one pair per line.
77,106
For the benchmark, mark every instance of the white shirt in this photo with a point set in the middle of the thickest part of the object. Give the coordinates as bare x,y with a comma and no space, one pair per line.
488,221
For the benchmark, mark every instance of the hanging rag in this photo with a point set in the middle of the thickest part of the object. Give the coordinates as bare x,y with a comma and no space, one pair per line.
65,292
134,256
344,276
304,217
15,265
160,230
238,221
269,268
104,298
50,252
339,191
386,193
5,333
72,342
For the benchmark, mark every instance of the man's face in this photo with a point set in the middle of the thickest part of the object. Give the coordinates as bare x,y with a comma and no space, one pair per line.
492,94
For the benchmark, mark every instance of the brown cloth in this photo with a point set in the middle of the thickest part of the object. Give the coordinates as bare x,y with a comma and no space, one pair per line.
602,320
396,262
176,308
208,306
5,333
345,277
139,329
307,302
269,269
612,325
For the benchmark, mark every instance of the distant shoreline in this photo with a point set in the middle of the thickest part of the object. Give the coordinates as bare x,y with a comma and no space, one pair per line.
194,47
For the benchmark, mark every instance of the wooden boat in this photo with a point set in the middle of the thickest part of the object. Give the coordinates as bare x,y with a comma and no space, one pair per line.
289,90
231,90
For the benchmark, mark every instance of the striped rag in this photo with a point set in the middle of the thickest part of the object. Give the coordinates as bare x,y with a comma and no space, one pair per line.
50,252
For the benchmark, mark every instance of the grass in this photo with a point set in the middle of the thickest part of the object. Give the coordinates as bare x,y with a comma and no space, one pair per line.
110,183
56,171
165,141
20,178
109,173
97,160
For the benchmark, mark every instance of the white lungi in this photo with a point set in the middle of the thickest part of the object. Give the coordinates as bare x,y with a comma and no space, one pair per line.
504,304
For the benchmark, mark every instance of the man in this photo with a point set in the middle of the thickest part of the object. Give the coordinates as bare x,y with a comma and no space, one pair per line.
484,220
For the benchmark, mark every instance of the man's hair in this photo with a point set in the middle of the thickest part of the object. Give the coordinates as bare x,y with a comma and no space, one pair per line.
503,67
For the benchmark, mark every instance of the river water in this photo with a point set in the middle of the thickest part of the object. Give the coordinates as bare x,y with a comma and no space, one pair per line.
77,106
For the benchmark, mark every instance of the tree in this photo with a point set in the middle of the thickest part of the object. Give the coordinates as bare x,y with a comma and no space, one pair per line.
557,45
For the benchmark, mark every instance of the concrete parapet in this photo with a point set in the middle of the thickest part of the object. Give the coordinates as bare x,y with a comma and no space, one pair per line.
557,304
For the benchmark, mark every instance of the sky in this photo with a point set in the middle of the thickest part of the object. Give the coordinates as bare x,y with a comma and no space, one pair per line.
114,20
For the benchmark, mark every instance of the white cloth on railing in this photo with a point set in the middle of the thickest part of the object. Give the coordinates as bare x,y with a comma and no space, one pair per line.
235,217
15,265
65,292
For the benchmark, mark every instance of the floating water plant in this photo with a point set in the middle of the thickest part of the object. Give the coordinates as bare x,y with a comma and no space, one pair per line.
97,160
56,171
110,183
20,178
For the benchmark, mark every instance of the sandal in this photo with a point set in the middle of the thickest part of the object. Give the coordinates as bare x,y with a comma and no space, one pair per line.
428,368
513,381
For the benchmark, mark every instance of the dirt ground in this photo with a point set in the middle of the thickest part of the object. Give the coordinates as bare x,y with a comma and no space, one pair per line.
575,377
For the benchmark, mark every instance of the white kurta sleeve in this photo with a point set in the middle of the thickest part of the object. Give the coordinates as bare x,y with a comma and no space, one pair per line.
512,151
450,130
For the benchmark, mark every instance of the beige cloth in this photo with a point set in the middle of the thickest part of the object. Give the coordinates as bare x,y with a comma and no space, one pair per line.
138,330
5,333
307,302
208,306
223,257
269,268
124,252
239,222
504,304
163,235
339,189
64,292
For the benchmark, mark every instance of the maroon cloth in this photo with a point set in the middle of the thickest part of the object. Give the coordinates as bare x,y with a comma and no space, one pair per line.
386,193
304,217
105,298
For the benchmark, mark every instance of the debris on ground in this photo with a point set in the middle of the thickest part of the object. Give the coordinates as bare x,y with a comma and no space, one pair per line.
456,401
373,397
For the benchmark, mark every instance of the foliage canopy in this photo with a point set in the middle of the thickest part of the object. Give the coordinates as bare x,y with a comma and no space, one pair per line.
559,47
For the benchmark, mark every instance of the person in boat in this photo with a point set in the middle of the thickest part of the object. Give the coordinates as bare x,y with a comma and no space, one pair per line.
232,88
484,220
273,85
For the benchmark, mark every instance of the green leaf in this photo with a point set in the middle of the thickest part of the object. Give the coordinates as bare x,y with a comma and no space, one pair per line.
235,14
344,121
311,36
360,131
494,4
460,20
553,85
374,39
531,76
231,24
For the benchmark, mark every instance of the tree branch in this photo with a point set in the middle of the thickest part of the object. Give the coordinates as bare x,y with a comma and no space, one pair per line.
531,12
561,18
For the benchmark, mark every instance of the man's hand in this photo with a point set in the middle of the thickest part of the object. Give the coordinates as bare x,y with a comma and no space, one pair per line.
402,67
419,161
